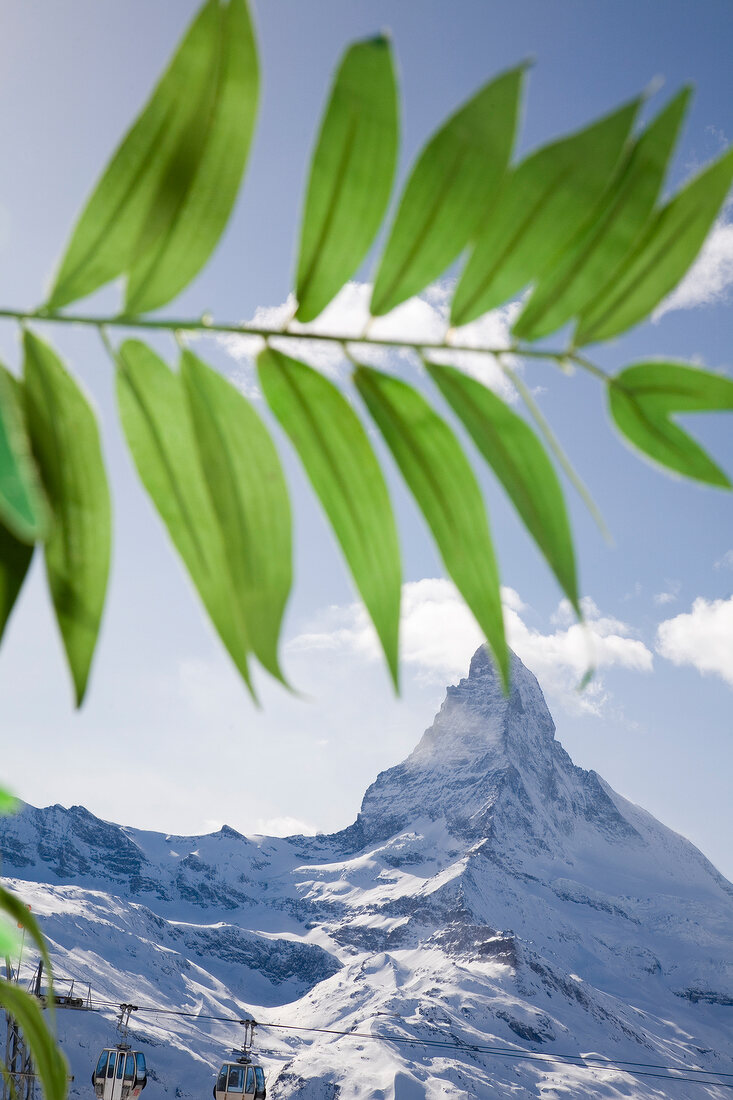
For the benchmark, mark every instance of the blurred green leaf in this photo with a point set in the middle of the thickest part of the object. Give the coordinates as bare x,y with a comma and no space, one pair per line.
9,939
15,557
23,507
197,191
21,913
338,458
351,174
250,498
65,438
105,238
48,1060
442,482
521,464
613,230
658,262
543,203
9,804
643,397
16,554
449,192
159,431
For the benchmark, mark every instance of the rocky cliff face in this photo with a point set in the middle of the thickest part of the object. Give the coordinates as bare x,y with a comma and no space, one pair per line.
490,893
490,767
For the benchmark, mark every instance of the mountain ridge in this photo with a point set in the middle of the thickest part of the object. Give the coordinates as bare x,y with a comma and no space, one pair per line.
489,890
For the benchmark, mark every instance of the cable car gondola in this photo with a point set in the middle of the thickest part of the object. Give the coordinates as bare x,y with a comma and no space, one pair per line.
120,1073
241,1078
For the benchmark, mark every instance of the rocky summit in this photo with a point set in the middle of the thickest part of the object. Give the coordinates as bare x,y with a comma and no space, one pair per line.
496,922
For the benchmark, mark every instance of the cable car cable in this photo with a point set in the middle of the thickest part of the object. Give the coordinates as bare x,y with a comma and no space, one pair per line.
590,1061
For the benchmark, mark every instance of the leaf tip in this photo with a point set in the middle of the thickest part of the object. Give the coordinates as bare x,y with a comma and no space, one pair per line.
9,803
588,675
80,678
505,673
655,85
393,664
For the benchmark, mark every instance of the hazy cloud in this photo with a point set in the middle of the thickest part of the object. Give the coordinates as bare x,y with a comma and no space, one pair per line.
670,594
703,638
726,562
710,278
283,826
423,318
439,637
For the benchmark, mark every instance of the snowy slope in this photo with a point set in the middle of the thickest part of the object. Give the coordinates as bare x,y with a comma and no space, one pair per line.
489,893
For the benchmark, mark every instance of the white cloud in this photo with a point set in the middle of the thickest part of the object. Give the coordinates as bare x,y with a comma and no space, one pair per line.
726,562
560,659
282,826
669,595
710,278
703,638
665,597
439,637
423,318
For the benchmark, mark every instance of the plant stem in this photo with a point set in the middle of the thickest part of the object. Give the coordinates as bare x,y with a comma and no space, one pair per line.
586,364
553,444
205,325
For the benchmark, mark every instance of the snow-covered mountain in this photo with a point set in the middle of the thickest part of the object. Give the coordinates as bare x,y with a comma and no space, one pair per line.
489,894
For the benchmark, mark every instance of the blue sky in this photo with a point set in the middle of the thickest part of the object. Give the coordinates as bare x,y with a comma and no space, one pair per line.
168,738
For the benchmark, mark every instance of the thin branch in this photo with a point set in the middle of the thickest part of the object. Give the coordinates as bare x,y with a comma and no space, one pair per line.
109,347
554,445
586,364
206,324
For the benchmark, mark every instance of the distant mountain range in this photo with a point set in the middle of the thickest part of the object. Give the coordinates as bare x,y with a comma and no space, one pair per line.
490,894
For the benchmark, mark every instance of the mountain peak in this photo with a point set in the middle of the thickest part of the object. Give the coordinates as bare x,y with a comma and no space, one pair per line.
490,892
491,769
479,740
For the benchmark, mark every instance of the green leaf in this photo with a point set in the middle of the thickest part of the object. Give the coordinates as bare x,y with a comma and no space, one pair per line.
250,498
442,482
449,191
20,912
65,439
9,939
543,203
351,174
614,229
105,238
197,192
338,458
23,507
9,804
15,448
47,1058
643,397
15,558
166,196
665,252
521,464
159,431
